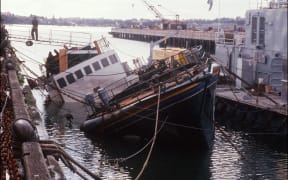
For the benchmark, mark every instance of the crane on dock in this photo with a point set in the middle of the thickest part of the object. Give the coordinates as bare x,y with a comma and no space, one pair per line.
154,10
165,23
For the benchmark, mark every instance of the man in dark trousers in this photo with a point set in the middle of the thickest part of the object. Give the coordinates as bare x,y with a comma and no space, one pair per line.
4,39
34,28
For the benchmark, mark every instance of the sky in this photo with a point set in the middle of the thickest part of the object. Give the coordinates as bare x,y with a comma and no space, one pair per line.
129,9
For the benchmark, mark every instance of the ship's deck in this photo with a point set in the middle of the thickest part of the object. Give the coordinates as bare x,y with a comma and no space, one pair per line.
244,97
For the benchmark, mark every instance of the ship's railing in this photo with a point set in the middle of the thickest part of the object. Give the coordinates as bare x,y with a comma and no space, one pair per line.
177,76
230,38
279,4
102,45
119,86
104,95
22,33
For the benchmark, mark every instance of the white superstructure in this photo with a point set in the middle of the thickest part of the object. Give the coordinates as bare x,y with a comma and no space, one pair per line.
260,54
103,69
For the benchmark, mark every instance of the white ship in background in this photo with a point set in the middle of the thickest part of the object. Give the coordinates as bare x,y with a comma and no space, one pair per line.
259,55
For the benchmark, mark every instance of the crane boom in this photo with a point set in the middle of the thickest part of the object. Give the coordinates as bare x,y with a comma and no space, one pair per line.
154,10
165,23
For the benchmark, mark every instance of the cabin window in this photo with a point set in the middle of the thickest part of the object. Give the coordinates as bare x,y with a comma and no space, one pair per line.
70,78
87,69
254,30
262,31
79,74
61,82
104,62
113,59
96,66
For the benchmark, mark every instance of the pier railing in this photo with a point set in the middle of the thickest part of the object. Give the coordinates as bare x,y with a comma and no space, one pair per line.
230,38
21,33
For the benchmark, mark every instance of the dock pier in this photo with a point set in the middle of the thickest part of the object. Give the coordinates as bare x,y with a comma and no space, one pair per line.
177,38
26,152
22,141
240,110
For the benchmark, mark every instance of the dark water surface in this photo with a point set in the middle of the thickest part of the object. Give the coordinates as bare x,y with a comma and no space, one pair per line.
239,157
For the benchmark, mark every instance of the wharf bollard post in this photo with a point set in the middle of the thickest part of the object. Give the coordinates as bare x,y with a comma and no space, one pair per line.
23,130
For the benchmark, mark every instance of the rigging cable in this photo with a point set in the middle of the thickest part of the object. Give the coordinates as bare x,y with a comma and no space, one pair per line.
68,160
121,50
32,72
28,58
236,76
74,98
69,94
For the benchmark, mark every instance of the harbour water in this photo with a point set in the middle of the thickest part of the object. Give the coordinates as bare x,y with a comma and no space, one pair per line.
242,156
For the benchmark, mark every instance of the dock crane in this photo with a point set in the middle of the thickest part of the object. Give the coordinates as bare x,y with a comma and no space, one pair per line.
165,23
154,10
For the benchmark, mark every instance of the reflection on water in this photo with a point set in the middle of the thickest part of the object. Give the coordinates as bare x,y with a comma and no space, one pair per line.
89,153
256,161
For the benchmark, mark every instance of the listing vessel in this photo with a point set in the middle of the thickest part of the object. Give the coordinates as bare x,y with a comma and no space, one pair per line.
176,84
176,90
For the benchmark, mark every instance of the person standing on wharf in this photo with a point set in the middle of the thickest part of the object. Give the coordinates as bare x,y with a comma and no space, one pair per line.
34,28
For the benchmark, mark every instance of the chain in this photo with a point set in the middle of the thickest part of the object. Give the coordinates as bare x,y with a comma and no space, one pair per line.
8,161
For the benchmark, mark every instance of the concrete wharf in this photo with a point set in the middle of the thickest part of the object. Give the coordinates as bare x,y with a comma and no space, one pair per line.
178,38
244,97
25,150
23,140
255,114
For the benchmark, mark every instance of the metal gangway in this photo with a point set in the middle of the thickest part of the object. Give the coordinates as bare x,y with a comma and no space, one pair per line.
49,36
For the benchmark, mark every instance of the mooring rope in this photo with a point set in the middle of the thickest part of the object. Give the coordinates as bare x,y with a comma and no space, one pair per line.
140,150
67,159
28,57
149,142
167,123
70,95
125,53
154,137
242,80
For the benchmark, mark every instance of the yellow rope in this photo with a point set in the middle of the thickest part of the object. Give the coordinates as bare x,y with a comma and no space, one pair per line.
154,138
